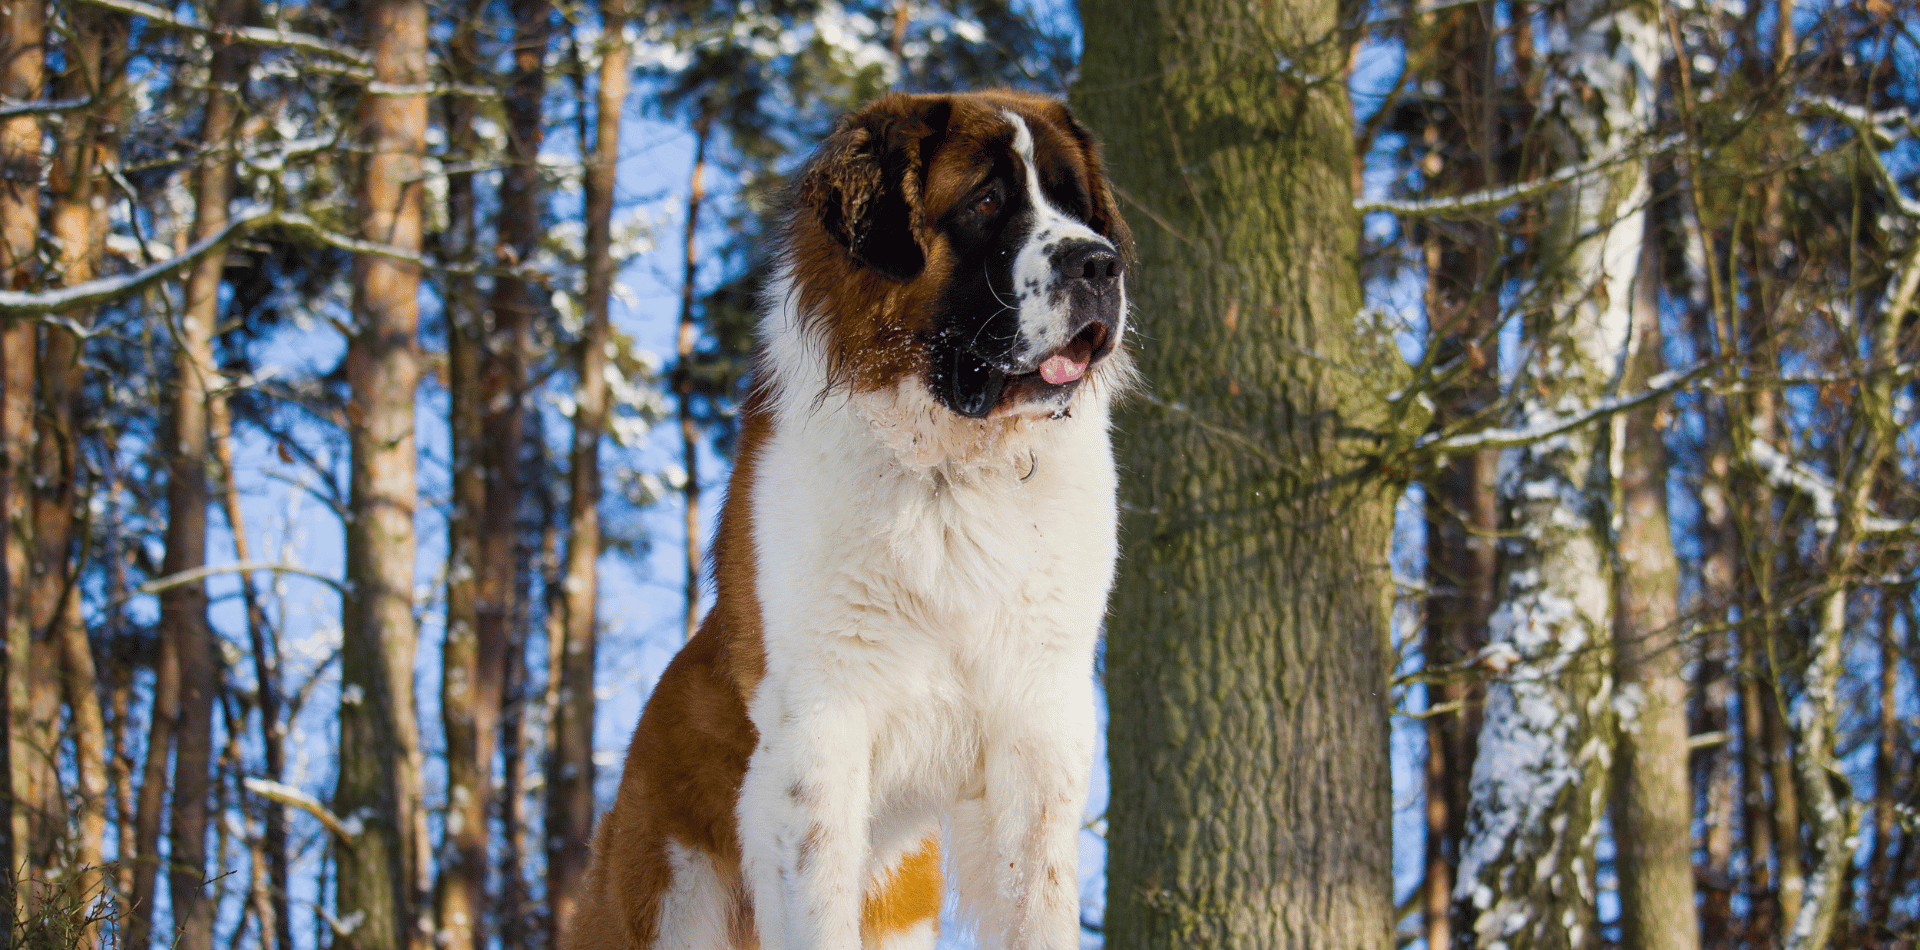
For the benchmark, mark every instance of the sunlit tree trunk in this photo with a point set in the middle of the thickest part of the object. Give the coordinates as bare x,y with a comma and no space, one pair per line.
1540,782
379,771
1652,806
95,53
22,65
1246,665
570,774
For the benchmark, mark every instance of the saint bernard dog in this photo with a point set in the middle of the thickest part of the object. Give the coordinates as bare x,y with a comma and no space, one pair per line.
912,563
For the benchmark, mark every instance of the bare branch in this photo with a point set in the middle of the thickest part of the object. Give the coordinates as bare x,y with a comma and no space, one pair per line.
1539,430
14,110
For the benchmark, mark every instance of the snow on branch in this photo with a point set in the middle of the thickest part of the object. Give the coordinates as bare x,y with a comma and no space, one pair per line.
1507,194
1547,425
16,303
1870,127
1783,472
258,36
288,795
10,109
159,584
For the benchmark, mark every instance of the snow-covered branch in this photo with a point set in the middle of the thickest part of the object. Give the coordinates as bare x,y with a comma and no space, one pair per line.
159,584
13,110
288,795
16,303
1508,194
1869,126
1783,472
1546,425
259,36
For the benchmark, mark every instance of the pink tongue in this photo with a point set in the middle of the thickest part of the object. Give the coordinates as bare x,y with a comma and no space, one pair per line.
1059,369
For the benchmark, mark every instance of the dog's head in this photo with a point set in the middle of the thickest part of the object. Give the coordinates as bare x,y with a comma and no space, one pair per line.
971,241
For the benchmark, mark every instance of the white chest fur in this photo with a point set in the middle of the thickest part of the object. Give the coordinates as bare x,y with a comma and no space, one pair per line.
931,589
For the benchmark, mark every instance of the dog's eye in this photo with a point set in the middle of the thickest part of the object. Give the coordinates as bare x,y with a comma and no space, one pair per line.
988,202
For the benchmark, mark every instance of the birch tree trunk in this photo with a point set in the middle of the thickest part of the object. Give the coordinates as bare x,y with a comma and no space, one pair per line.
570,773
1246,665
379,772
1540,782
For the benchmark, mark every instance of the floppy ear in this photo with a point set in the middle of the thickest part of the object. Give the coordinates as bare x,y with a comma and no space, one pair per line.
864,184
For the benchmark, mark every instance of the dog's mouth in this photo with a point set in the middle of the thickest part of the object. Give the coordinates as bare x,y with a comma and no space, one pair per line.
975,387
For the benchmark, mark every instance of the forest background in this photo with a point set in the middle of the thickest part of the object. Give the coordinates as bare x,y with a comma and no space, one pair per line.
1519,521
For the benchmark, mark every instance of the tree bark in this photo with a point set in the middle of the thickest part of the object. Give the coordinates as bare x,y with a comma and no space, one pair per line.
1540,783
184,608
570,772
470,677
683,384
379,784
22,73
1652,795
1246,664
1462,511
263,643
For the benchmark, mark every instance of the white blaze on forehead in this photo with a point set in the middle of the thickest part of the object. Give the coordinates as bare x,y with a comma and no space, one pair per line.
1043,326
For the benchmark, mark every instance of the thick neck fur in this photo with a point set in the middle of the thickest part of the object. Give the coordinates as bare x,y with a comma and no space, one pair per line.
904,419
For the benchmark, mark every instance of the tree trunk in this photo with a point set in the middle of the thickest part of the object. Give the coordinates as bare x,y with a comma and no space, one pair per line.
1652,795
1462,512
1540,784
469,676
184,608
1816,716
89,151
570,773
379,774
263,643
683,384
22,68
1246,664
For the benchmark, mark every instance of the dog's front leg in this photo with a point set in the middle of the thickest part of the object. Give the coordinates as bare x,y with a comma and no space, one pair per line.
803,827
1025,830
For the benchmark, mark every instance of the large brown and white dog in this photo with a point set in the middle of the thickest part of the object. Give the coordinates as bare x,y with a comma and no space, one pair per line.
912,563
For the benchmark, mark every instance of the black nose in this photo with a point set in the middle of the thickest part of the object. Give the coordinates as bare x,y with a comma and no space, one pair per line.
1088,264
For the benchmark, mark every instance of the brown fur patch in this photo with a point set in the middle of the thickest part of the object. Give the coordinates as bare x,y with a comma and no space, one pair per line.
909,895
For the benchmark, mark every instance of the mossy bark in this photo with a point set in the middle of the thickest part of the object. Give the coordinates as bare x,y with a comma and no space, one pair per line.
1246,670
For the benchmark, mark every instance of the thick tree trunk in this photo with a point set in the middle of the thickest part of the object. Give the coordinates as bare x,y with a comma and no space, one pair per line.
1246,664
570,773
379,774
469,676
1540,784
1652,795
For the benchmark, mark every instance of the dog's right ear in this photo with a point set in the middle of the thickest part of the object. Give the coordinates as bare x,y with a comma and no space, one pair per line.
864,185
